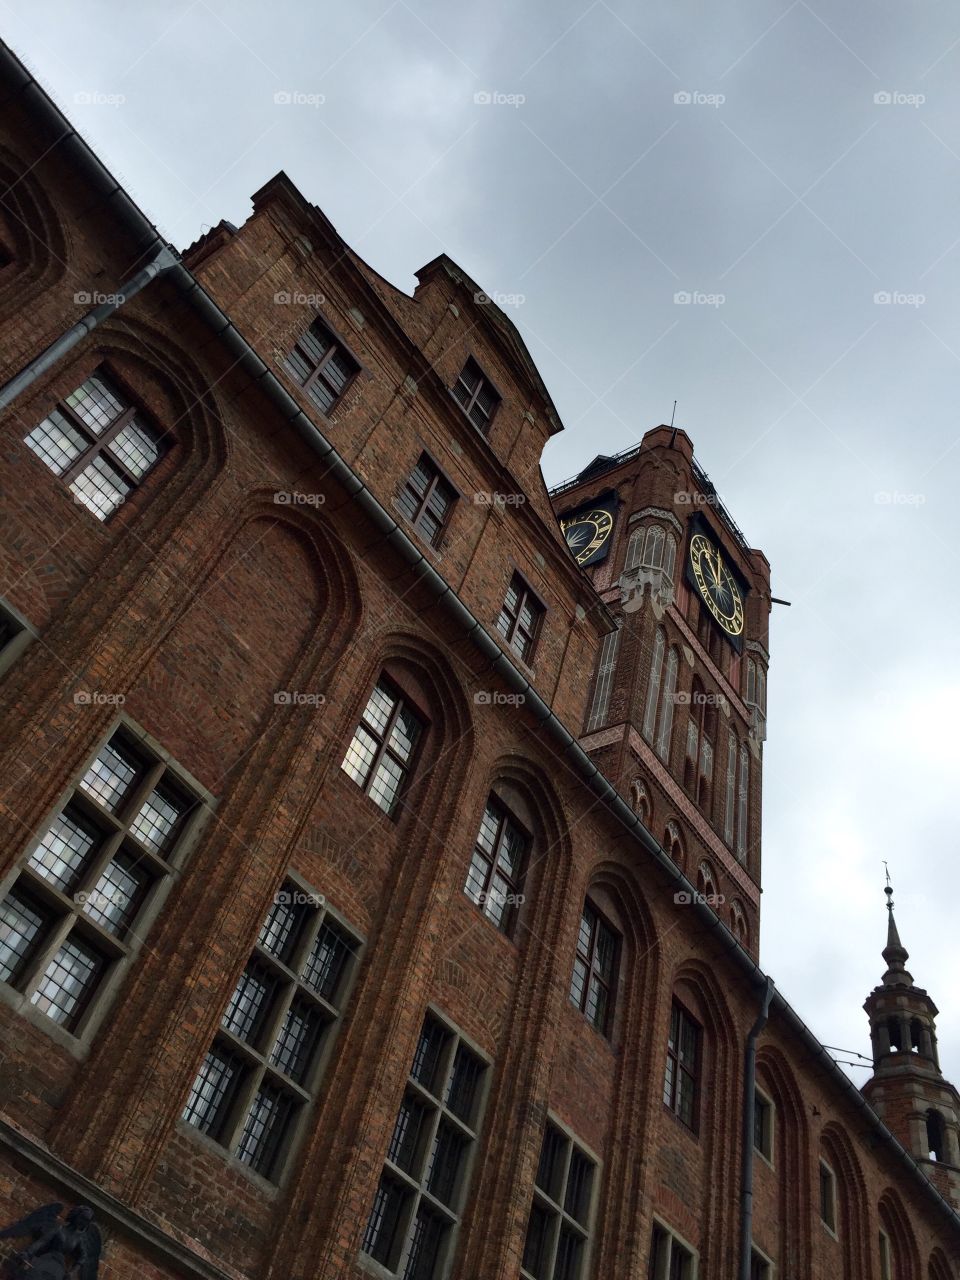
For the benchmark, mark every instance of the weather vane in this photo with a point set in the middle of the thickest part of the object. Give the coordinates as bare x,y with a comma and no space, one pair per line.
889,889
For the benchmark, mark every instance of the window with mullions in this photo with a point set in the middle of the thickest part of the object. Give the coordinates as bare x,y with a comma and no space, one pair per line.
520,618
427,499
761,1268
381,752
74,909
828,1197
261,1073
322,366
495,878
763,1124
98,444
476,396
417,1207
558,1230
682,1078
669,1259
595,968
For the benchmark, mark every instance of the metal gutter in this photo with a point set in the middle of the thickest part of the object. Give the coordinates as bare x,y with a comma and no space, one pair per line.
135,221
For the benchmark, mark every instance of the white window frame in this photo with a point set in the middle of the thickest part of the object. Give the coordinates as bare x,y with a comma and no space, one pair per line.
673,1238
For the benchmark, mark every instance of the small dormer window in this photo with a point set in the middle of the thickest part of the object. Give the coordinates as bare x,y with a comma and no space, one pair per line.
475,395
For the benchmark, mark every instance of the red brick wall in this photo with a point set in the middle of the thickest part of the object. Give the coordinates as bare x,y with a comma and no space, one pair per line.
201,599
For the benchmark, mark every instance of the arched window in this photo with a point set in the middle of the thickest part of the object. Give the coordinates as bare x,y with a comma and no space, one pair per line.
738,923
701,734
640,801
634,549
936,1143
730,791
916,1035
666,711
604,686
895,1032
653,685
743,807
706,880
498,865
673,844
669,556
653,548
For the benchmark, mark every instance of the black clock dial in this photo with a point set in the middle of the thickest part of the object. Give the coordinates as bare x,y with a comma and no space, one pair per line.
586,532
716,584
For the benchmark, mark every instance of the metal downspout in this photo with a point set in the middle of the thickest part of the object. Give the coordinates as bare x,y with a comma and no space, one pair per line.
749,1115
164,259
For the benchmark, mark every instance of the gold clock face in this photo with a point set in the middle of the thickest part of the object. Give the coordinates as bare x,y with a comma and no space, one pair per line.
716,585
586,532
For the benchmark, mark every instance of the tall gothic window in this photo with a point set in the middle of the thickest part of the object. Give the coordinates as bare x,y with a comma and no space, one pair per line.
743,807
701,734
605,671
730,789
665,728
653,685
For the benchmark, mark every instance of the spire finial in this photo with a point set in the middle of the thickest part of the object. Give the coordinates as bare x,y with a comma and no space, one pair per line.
894,952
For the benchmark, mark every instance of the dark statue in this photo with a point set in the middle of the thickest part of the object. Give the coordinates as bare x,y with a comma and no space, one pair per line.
67,1249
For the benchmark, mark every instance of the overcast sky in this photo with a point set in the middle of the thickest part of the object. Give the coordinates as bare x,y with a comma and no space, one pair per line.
786,166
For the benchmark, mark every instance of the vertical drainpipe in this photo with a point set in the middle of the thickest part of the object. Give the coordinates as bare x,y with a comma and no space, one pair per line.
162,261
749,1111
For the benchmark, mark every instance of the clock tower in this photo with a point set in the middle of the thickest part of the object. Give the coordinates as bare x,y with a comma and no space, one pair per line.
677,715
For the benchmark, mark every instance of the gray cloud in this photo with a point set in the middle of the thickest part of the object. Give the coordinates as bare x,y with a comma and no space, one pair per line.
798,198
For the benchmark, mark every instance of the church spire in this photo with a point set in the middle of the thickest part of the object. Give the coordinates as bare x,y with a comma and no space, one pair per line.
907,1088
895,953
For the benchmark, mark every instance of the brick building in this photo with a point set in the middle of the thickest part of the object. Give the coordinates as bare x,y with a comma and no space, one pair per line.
380,881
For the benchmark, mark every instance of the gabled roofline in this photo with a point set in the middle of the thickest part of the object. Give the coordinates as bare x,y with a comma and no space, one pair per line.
490,314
